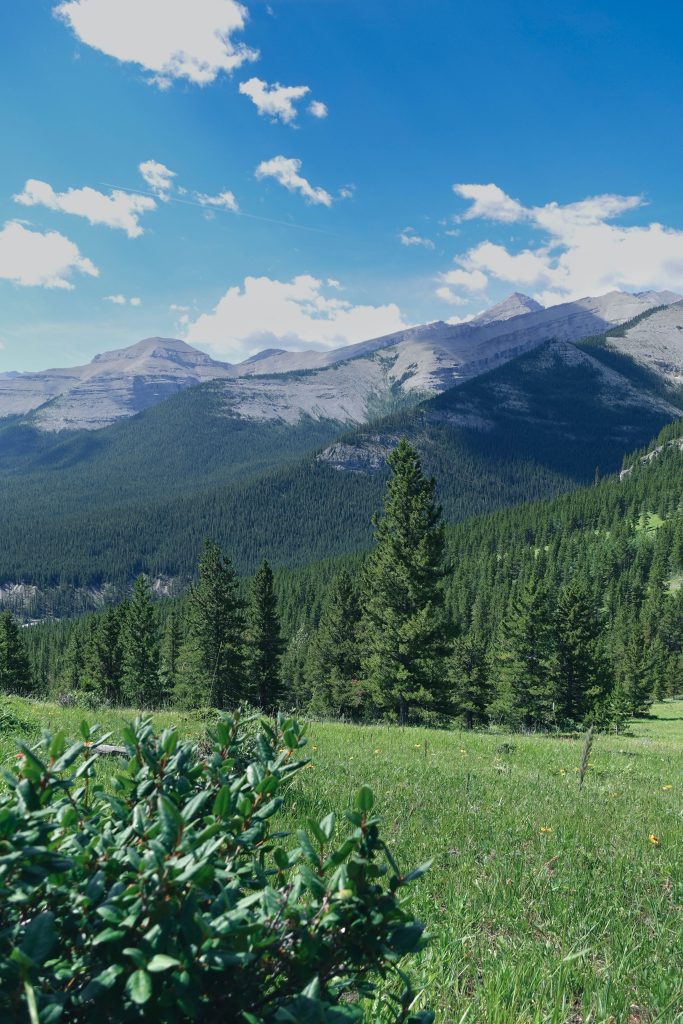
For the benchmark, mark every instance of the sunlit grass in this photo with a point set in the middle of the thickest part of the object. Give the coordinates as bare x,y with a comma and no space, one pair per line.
546,905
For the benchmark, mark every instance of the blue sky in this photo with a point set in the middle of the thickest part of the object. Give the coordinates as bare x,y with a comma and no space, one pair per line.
456,152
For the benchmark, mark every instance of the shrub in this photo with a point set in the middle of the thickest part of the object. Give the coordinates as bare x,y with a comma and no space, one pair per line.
164,895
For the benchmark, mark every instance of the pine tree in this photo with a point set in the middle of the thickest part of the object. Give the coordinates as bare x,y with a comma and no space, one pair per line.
523,662
169,653
102,657
405,627
15,672
581,669
264,645
333,666
72,663
468,681
140,649
210,670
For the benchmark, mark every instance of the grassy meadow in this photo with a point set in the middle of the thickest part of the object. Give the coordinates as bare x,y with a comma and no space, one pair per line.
547,905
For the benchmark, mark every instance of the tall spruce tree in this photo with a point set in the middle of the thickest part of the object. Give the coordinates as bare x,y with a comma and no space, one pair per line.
169,653
140,649
264,645
102,657
581,668
405,626
467,675
211,670
333,666
523,662
15,671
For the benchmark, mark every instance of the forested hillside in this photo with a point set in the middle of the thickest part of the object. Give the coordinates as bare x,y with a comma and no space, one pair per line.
142,495
585,587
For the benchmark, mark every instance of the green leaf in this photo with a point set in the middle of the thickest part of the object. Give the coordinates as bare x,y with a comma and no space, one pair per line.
139,987
161,962
84,730
307,846
327,825
221,804
416,872
365,799
39,937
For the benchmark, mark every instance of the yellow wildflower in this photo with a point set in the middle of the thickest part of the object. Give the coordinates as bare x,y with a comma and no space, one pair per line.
546,828
654,839
667,787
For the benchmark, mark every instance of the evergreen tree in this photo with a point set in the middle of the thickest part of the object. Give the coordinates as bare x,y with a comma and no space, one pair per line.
169,653
524,663
15,672
72,663
637,665
405,627
140,649
264,643
468,681
333,666
580,666
210,670
102,657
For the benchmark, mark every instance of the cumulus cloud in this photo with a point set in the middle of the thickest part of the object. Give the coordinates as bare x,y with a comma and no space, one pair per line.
187,40
317,109
121,300
409,237
225,200
158,177
285,170
302,313
470,280
449,296
275,101
579,250
116,210
489,201
35,258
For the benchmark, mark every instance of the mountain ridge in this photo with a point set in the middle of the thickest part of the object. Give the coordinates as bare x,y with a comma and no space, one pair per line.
348,384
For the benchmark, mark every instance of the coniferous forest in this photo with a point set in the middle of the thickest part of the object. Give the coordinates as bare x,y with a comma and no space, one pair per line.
553,615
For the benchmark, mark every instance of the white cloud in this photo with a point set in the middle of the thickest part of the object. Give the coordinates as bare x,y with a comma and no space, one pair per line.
285,170
158,177
449,296
347,192
121,300
226,200
317,109
276,101
409,237
489,201
190,39
117,210
579,252
295,314
33,258
174,308
470,280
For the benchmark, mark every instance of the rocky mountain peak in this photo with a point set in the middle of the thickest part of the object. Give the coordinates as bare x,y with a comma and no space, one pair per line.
516,304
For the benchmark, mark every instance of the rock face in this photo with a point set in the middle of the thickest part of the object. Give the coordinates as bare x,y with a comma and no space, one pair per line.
113,386
656,342
515,305
353,384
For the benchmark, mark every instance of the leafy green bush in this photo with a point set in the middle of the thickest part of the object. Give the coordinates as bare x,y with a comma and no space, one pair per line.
164,895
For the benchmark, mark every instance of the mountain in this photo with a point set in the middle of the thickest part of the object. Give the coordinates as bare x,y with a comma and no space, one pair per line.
515,305
113,386
87,512
351,385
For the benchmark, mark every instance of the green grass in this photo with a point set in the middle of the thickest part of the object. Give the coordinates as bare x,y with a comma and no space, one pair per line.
579,924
